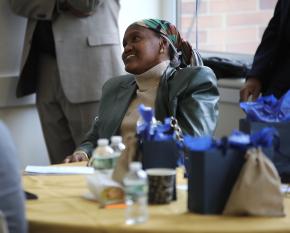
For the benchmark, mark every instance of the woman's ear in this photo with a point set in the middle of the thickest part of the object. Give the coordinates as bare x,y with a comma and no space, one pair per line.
164,46
161,47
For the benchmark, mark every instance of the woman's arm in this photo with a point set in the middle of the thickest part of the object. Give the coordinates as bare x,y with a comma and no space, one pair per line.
267,48
197,108
84,151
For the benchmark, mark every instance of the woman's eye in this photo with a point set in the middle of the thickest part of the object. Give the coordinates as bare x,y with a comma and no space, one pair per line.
136,38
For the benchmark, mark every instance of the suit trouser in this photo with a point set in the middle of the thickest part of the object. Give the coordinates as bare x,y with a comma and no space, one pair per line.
64,124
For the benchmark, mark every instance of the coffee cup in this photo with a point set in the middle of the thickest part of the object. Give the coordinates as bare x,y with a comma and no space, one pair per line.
161,185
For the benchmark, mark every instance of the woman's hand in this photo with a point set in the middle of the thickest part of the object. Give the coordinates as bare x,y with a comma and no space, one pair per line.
77,156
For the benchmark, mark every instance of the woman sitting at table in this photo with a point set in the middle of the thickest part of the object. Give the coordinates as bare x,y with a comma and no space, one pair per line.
165,75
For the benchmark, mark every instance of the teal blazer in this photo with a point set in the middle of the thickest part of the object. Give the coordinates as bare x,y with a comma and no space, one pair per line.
189,94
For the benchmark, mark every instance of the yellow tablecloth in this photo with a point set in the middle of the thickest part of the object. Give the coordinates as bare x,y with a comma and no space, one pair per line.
61,208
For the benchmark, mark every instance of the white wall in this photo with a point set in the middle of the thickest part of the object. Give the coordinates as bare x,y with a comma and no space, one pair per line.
24,126
229,110
133,10
11,42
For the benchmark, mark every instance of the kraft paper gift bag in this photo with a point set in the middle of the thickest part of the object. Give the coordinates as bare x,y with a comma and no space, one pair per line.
257,189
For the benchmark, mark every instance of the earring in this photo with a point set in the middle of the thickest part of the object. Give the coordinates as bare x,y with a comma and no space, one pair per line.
161,50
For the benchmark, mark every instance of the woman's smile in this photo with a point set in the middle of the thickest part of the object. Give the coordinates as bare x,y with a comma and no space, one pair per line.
129,56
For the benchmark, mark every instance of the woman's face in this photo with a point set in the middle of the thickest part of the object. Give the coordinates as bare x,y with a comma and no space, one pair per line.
142,49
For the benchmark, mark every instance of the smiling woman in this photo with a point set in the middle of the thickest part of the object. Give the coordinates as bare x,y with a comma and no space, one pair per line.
142,49
165,74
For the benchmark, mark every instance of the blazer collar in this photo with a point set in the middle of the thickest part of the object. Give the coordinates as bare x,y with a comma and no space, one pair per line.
128,82
162,103
122,101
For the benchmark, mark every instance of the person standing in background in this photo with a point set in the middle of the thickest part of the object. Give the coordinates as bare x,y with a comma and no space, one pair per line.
12,201
270,73
71,48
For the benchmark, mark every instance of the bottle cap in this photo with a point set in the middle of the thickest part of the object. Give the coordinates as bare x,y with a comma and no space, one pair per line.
103,142
135,166
116,139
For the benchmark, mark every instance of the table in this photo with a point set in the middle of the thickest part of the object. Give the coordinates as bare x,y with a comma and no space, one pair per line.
61,208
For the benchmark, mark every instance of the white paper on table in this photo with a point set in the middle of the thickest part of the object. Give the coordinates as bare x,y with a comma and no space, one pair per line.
285,188
65,170
182,187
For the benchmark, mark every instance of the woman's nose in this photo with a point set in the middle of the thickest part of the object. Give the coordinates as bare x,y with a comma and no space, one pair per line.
127,48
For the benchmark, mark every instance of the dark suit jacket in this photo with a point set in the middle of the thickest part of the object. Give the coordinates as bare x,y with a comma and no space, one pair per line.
271,61
190,94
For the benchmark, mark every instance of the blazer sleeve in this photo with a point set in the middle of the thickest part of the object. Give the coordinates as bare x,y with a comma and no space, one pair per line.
197,104
107,124
34,9
90,141
268,47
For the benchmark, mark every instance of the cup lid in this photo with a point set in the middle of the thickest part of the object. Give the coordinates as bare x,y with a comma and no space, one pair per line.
103,142
160,171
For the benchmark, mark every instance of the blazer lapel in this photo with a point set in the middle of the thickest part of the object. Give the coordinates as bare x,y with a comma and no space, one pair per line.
162,102
122,101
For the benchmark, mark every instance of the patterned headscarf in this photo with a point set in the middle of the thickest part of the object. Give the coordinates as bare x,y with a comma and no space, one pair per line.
184,55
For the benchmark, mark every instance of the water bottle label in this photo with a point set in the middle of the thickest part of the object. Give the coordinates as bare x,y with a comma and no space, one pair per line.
137,190
103,163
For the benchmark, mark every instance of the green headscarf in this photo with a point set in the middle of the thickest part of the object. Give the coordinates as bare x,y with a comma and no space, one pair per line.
184,55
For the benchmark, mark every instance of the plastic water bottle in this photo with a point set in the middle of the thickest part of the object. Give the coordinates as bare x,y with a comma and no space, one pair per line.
117,145
136,189
102,155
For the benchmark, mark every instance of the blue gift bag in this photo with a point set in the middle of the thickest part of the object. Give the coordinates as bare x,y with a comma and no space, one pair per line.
281,154
211,177
160,154
214,165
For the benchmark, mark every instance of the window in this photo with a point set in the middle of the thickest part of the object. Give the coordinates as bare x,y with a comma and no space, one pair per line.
234,26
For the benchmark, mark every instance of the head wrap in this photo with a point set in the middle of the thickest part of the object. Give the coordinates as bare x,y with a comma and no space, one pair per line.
184,55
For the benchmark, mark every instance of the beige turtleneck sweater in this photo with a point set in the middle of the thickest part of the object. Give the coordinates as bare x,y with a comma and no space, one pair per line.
147,85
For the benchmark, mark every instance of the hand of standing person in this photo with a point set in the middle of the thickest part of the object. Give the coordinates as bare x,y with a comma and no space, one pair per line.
252,88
